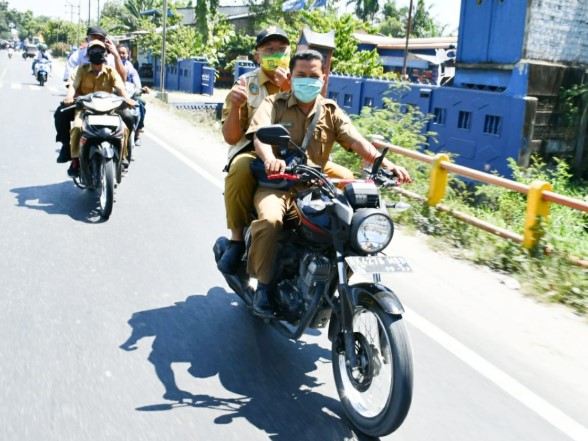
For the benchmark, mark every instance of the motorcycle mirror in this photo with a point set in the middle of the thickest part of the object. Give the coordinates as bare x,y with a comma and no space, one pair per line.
275,134
378,162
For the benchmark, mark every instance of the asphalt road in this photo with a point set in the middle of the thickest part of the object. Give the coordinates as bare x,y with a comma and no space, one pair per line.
104,325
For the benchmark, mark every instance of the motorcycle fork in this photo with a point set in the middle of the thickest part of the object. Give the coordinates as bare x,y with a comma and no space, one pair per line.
346,309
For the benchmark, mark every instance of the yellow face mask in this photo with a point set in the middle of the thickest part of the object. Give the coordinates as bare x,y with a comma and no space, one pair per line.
273,61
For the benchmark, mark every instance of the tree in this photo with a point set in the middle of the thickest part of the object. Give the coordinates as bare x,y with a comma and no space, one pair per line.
366,10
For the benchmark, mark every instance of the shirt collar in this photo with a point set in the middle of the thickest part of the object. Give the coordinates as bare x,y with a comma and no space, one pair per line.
293,101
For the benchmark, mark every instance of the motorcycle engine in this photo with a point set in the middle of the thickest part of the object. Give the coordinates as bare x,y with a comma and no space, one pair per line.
294,295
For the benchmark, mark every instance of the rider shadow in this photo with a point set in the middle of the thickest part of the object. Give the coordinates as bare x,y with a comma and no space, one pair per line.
268,378
62,198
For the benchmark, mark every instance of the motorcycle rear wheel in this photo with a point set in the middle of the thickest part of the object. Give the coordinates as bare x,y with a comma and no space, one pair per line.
41,82
106,188
376,396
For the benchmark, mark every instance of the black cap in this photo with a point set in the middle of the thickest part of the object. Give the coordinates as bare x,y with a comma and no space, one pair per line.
96,30
272,33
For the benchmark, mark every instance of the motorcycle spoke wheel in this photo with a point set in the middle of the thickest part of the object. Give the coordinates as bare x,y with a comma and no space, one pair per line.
106,188
376,394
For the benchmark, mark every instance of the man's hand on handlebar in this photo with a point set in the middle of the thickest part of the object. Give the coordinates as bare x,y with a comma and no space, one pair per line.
402,175
274,166
68,100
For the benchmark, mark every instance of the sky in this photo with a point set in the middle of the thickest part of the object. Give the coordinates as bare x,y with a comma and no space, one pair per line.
444,11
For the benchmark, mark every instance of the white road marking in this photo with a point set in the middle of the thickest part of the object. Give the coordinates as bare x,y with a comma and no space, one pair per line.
534,402
15,86
202,172
508,384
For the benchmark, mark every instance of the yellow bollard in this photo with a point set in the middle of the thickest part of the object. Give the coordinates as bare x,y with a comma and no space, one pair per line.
537,208
437,181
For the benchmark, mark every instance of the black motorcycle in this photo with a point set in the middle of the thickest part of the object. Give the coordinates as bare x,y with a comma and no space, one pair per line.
101,146
338,233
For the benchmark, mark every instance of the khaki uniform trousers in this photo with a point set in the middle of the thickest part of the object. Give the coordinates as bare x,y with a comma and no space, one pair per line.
273,206
76,133
240,186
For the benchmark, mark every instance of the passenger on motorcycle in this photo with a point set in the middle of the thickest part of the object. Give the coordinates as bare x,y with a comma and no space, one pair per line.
77,58
272,53
42,54
93,77
295,110
133,77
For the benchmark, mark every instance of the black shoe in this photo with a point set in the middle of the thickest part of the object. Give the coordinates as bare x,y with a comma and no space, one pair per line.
229,261
64,155
125,163
261,304
74,169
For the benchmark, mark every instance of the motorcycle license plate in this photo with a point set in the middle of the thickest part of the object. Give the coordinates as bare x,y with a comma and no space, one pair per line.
103,120
378,264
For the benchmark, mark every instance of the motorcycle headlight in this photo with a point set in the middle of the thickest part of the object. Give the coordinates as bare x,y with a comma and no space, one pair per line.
371,231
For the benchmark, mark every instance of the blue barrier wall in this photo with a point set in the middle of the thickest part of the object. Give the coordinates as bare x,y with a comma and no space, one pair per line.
482,129
346,91
191,75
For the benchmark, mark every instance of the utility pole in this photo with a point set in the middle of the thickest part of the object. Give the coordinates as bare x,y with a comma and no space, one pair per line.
162,71
89,11
408,25
98,14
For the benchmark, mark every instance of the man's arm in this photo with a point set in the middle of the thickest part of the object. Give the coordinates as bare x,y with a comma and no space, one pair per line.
118,64
232,130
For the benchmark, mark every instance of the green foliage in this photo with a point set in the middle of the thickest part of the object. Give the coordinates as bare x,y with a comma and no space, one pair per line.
550,277
573,100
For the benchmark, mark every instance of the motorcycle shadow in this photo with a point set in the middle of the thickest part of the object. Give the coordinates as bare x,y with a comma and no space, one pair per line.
268,379
61,199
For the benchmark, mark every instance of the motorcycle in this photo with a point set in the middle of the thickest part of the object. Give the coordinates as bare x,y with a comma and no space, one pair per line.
41,71
336,234
101,146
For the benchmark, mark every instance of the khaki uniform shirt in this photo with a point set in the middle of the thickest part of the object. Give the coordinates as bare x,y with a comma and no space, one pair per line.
259,86
86,81
333,125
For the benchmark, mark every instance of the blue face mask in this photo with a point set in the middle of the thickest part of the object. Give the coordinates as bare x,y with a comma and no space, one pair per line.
306,89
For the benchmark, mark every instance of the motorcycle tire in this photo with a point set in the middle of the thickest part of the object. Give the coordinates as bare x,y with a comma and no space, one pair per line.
41,82
376,396
106,188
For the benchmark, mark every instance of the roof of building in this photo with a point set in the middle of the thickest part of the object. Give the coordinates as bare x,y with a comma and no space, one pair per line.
384,42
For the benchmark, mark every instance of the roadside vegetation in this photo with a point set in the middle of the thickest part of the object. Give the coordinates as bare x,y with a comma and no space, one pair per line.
549,277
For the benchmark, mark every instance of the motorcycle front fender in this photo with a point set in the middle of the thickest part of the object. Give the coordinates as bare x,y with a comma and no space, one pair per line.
105,150
383,296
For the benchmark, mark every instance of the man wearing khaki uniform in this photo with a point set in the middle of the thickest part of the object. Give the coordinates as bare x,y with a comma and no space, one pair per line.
295,111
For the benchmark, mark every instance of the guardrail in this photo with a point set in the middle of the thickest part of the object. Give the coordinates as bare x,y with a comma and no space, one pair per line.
539,197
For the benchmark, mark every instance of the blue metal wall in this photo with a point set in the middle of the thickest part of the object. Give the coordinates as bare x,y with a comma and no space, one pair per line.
191,76
481,128
491,31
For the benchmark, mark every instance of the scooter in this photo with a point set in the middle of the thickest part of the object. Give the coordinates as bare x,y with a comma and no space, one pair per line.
41,71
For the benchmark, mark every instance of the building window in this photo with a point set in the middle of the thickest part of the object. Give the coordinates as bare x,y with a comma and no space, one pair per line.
348,101
368,101
333,96
465,120
440,115
492,124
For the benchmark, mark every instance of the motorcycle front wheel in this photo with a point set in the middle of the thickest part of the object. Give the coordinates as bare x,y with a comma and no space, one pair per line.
106,188
376,395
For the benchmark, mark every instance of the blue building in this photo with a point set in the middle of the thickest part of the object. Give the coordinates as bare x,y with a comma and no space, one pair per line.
512,60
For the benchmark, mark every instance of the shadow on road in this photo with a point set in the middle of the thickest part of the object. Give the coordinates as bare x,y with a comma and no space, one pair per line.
63,198
268,379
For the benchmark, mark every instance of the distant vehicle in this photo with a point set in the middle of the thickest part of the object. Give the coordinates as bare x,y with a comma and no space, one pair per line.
30,51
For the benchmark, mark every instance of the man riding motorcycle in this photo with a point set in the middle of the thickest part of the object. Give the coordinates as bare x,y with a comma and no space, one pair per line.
295,110
133,77
93,77
63,119
272,53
